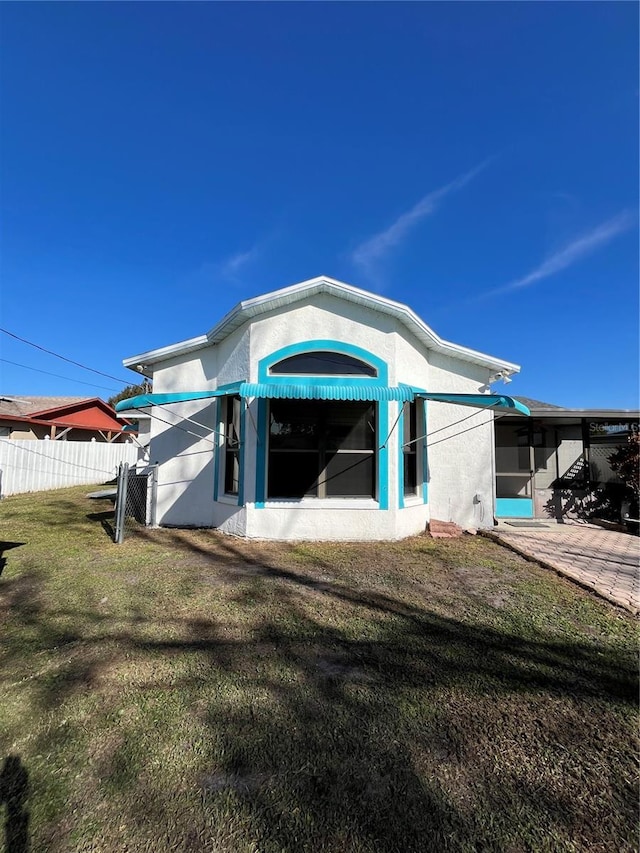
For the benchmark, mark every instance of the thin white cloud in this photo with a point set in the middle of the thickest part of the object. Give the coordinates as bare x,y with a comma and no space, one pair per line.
370,252
571,254
231,267
227,271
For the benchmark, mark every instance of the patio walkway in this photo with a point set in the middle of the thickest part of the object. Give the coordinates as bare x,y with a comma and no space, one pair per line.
604,561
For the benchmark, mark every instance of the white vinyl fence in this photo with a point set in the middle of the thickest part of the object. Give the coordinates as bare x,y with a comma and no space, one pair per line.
35,466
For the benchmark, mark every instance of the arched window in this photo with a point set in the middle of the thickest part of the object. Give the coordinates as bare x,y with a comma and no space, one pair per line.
322,363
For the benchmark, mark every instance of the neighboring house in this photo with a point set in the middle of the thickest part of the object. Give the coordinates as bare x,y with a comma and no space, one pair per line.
60,419
322,411
556,463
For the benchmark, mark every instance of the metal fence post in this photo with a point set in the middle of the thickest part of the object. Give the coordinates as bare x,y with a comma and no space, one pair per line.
152,494
121,501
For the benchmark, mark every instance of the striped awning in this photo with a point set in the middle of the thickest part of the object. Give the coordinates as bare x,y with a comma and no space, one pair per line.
342,391
348,390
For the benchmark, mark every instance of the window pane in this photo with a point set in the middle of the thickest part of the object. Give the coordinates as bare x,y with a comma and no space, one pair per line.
410,448
233,421
605,438
410,474
409,422
303,439
231,472
323,363
294,425
350,475
293,475
512,448
513,487
232,444
349,426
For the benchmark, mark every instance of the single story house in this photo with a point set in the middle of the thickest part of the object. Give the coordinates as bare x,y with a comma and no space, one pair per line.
556,463
60,419
322,411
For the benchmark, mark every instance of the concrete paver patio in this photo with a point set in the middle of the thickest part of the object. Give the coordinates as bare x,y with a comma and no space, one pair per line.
606,561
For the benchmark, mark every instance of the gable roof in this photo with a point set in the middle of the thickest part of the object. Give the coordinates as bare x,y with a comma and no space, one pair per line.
89,413
287,296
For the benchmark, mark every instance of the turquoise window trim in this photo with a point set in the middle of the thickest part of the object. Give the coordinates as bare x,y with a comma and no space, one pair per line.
242,451
514,508
422,426
333,381
330,345
217,450
317,346
400,429
261,457
382,427
422,430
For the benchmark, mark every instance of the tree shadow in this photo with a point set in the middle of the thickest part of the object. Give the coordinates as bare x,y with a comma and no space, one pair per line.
7,546
14,792
372,734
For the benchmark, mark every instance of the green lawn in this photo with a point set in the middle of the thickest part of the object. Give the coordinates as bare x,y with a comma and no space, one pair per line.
189,691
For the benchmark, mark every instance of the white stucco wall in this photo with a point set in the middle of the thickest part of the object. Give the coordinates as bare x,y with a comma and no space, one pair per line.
460,486
459,447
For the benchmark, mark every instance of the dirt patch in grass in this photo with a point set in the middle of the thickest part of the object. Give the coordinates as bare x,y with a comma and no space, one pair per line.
189,691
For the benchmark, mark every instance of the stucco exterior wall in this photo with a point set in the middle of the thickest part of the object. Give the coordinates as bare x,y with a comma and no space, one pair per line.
185,464
460,447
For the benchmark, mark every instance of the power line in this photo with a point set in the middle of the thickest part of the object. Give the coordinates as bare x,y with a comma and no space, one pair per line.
54,473
456,434
57,375
61,461
63,357
188,431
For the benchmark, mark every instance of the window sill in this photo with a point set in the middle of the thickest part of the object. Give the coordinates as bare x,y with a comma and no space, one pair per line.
321,503
413,500
231,500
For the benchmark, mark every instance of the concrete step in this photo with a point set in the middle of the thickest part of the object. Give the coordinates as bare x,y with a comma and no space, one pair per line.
444,529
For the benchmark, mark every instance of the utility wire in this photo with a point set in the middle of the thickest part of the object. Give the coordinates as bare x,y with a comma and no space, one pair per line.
448,426
191,421
57,375
56,473
61,461
63,357
188,431
456,434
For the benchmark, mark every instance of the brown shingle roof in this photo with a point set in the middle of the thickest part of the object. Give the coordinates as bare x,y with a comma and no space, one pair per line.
530,403
27,406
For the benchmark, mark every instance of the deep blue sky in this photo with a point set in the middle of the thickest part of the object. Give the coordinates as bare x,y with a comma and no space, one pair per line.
161,162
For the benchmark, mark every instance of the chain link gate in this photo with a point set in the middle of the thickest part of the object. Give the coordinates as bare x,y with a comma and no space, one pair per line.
135,498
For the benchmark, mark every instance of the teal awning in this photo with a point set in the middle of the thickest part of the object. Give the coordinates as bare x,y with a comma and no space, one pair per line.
311,391
500,402
144,400
349,390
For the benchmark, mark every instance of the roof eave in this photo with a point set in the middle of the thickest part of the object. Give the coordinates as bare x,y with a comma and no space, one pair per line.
251,308
140,363
585,413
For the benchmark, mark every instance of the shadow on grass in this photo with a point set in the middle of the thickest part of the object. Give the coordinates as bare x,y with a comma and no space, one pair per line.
7,546
14,791
107,521
387,727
